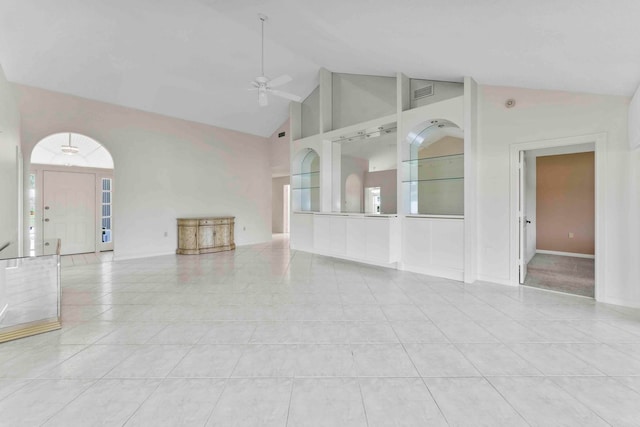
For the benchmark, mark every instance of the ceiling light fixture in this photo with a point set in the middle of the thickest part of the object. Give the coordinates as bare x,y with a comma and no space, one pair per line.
69,149
262,83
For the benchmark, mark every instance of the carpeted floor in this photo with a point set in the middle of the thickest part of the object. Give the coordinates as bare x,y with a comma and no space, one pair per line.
561,273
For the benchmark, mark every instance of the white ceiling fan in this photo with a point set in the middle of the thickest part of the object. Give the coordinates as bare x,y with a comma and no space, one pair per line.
263,84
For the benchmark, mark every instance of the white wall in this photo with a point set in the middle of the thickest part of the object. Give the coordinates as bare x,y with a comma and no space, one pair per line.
634,120
634,226
165,168
279,151
441,91
348,166
310,110
9,142
540,115
358,98
280,162
277,200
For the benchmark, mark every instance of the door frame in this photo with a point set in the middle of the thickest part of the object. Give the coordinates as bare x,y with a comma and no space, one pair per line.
286,208
522,218
600,142
39,169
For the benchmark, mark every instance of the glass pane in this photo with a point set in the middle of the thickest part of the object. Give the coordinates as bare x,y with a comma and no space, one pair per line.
31,289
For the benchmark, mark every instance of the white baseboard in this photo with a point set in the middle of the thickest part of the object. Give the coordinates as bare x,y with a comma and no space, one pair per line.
573,254
496,280
558,292
363,261
620,302
444,272
119,257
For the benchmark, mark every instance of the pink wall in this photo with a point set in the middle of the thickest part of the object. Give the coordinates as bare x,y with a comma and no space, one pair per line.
565,203
165,168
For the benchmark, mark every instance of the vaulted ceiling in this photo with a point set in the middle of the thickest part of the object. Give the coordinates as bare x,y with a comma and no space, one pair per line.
194,59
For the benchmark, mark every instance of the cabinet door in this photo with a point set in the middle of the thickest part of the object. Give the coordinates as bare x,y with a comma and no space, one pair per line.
187,237
222,237
206,236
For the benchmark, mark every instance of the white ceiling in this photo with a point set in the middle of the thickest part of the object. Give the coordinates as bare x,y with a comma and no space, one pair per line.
193,59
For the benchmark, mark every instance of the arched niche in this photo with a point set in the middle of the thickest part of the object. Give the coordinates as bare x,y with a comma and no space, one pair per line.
434,172
353,192
70,194
305,181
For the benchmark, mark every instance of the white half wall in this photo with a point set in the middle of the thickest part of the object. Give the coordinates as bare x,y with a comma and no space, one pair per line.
165,168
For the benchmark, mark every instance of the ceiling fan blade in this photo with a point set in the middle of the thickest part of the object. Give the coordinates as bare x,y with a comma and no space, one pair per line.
286,95
279,81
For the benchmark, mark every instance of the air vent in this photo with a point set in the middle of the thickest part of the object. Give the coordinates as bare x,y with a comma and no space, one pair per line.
281,134
423,92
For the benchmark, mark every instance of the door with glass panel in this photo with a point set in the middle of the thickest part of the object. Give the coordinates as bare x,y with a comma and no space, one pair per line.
105,236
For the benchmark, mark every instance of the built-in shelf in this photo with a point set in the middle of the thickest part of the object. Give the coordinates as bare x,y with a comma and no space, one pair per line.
434,184
305,182
435,179
306,174
427,216
308,180
431,159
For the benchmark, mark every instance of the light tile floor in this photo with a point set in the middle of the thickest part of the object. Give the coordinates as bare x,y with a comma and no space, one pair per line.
265,336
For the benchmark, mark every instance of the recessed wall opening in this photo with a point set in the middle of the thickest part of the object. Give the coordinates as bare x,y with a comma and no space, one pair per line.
433,175
305,181
71,194
558,214
558,205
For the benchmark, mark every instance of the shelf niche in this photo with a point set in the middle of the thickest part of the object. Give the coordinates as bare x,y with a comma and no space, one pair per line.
433,175
305,181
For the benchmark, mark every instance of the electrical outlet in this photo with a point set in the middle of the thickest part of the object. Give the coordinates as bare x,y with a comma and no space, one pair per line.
571,235
244,228
166,233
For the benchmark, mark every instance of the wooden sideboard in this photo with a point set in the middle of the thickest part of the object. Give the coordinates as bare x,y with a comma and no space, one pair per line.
205,235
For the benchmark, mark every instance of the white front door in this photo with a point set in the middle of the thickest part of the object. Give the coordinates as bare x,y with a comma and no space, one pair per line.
69,210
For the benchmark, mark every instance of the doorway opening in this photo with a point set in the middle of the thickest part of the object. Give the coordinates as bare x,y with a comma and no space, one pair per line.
558,215
70,195
372,200
286,207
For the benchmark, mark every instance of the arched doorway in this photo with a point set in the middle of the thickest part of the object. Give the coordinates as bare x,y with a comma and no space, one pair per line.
71,194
